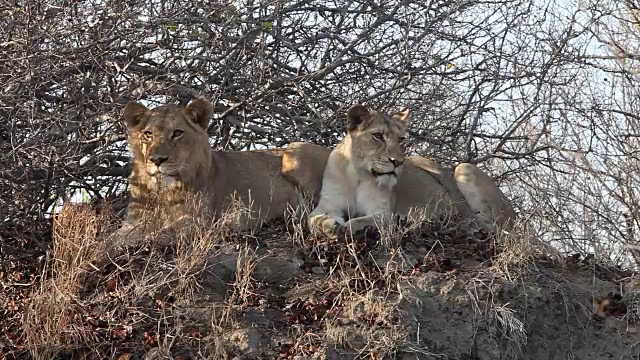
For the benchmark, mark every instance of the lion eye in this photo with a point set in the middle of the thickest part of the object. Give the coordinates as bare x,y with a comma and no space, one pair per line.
148,135
177,133
378,136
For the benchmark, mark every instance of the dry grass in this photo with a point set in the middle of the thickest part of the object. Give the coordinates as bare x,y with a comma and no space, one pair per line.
196,244
511,329
245,266
296,218
518,250
50,317
369,290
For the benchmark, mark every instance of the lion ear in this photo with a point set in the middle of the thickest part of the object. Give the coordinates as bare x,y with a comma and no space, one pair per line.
200,110
403,116
132,114
357,115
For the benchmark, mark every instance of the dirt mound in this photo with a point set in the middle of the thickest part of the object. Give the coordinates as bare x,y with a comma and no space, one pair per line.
427,290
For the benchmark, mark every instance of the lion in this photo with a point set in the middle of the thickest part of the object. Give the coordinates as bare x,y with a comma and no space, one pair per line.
362,171
173,160
416,182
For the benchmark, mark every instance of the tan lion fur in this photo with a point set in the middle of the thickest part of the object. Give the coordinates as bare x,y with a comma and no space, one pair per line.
482,194
187,165
467,192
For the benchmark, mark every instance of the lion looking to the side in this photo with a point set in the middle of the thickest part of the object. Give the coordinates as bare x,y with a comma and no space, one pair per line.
172,160
362,172
466,192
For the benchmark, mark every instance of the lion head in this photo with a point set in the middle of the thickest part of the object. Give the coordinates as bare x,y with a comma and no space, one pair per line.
375,143
170,144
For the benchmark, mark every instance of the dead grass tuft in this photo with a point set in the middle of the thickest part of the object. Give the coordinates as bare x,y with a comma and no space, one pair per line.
296,219
518,250
77,232
245,266
199,242
51,314
512,331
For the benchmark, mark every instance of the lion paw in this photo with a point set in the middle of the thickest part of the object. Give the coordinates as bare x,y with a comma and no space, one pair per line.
333,228
326,225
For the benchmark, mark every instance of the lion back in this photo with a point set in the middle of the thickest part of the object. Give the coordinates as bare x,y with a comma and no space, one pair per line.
425,184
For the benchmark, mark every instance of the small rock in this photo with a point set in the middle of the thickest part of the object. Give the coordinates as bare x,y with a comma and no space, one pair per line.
298,257
276,269
334,354
222,270
246,339
397,262
317,270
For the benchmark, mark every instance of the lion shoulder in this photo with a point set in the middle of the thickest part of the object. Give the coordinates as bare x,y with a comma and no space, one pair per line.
303,165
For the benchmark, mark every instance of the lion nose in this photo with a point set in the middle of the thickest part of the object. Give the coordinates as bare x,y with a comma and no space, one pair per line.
395,161
158,159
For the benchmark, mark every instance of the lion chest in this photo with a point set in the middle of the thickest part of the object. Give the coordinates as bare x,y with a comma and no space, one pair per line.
371,198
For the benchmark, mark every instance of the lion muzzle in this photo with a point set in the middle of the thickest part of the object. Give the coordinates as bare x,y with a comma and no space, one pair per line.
158,159
395,162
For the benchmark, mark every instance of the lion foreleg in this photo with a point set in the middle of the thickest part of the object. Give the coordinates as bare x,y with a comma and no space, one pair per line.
327,217
359,223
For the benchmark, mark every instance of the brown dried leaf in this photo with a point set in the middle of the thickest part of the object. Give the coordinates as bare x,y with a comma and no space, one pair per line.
121,332
112,285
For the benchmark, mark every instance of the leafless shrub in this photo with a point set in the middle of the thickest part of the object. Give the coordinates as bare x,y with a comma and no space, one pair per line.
277,73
